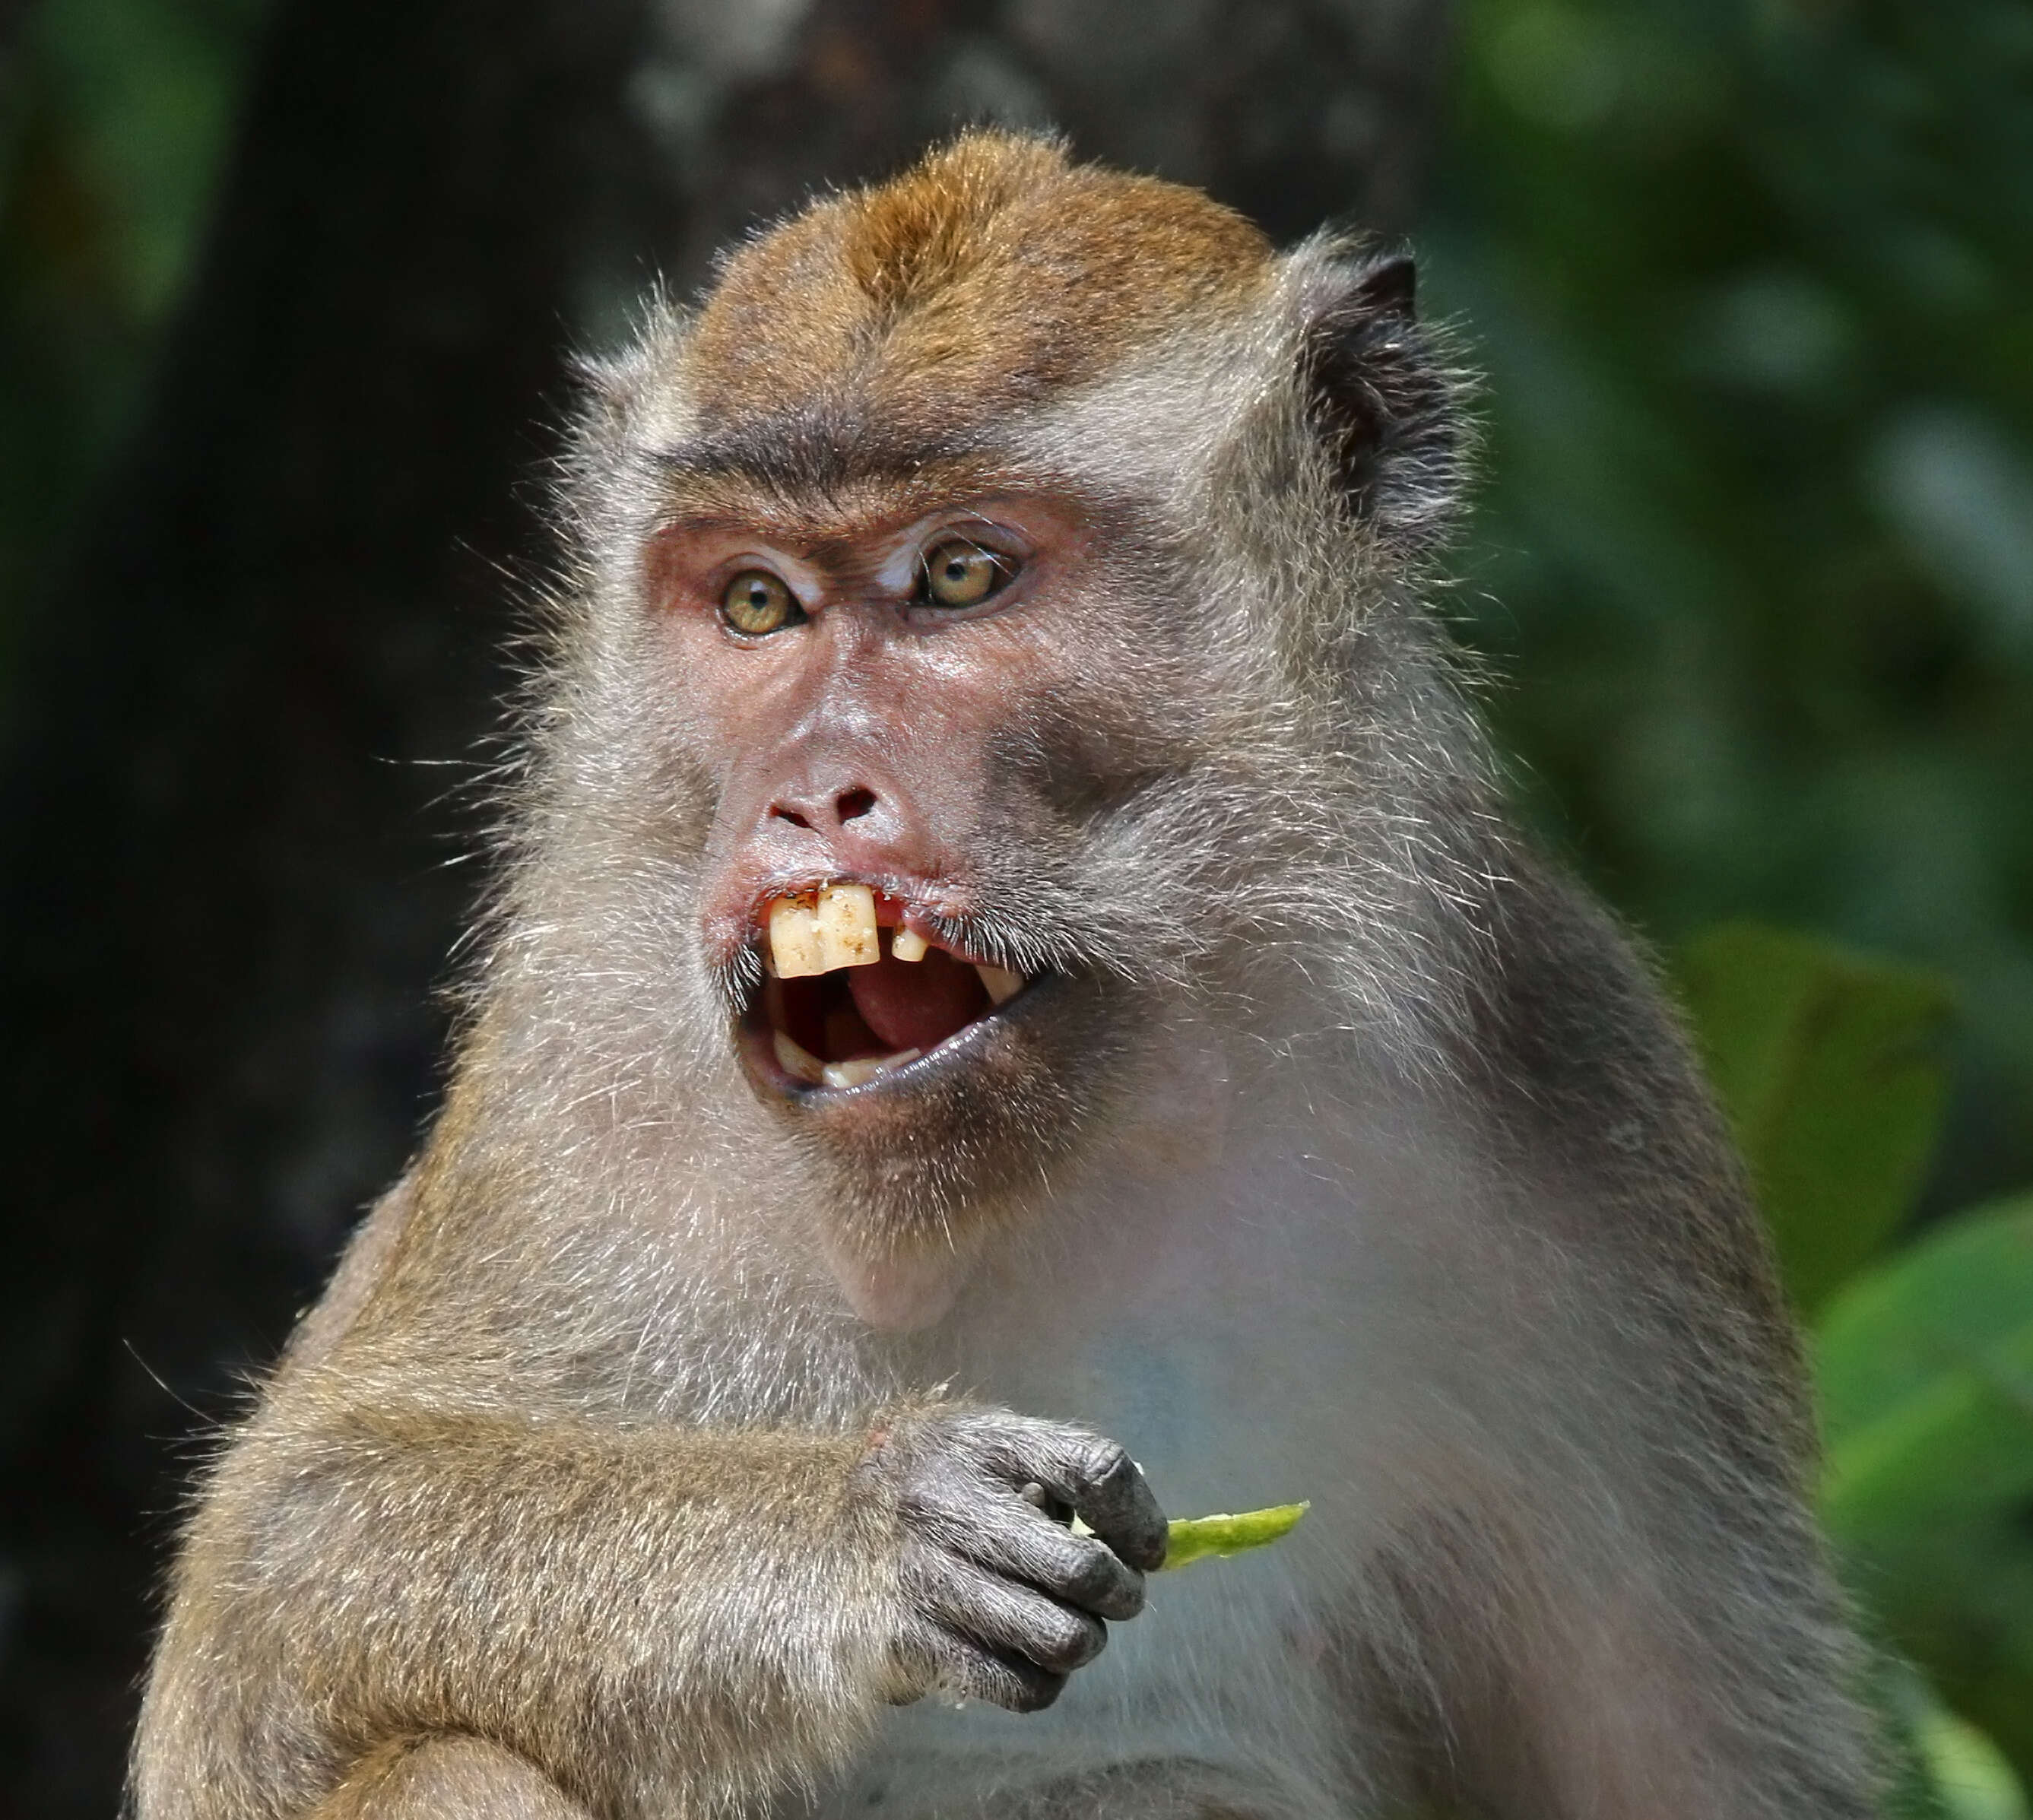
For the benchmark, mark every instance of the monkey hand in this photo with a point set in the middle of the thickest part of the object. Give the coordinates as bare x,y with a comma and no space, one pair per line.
1000,1601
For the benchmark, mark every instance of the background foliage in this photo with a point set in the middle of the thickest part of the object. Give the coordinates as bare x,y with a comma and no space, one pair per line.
1749,279
1831,1067
1754,568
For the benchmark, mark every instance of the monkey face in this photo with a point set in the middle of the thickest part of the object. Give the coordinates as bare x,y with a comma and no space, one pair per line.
917,724
963,590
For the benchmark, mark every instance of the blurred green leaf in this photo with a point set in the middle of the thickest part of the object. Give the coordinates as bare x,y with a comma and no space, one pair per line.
1937,1765
1925,1368
1828,1065
1925,1374
1974,1780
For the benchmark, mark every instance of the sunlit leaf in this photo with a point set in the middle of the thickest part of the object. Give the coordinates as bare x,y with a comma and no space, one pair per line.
1925,1369
1969,1774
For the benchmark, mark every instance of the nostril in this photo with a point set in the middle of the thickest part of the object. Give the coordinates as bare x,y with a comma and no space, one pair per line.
851,803
778,810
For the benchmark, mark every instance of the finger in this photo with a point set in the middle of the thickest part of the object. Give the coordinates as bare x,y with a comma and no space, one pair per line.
1009,1538
1091,1473
1011,1619
968,1672
1117,1504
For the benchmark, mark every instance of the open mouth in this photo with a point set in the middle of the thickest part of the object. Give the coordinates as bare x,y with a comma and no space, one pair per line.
859,986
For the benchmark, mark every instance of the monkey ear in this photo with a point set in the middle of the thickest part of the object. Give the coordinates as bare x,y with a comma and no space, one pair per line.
1390,284
1379,395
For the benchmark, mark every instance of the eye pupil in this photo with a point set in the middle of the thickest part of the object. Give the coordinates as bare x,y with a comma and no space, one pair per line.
959,574
756,604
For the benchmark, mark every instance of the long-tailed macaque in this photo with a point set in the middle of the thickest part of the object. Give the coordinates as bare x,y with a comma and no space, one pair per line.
1010,1000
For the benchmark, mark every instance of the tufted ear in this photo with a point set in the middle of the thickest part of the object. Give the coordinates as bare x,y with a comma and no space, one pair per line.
1383,398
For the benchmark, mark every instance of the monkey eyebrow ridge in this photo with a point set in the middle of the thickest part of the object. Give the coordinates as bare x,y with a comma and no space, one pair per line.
820,452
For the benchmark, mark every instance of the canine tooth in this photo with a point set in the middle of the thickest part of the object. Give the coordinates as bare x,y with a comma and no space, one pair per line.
908,944
795,1059
863,1067
1002,985
847,927
897,1059
794,939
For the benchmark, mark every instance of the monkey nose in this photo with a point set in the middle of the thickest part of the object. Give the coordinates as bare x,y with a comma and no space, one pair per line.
825,810
848,818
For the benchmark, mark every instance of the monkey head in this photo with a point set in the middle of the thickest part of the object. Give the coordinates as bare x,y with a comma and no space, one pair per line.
977,587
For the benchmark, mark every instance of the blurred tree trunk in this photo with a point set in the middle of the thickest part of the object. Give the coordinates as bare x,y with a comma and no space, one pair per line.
225,887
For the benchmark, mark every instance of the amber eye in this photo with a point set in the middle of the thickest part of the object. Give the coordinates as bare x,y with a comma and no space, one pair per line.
757,603
959,574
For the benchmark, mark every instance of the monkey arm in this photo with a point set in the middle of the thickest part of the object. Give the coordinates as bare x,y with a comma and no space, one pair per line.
695,1611
661,1617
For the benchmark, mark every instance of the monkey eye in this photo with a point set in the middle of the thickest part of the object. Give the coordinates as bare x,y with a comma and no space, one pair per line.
959,573
756,603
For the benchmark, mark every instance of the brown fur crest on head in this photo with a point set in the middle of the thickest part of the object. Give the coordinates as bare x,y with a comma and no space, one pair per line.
994,272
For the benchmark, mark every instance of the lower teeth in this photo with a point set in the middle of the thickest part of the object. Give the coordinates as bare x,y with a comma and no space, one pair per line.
865,1068
797,1061
800,1064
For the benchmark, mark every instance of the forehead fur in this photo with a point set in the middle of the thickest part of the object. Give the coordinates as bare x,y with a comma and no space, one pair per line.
992,274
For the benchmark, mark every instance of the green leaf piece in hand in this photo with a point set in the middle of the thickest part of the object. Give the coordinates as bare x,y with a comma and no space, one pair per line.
1203,1539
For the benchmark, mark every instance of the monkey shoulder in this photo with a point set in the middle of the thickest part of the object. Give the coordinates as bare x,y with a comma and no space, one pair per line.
1576,1048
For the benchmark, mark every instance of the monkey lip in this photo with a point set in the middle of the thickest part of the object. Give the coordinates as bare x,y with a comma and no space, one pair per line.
859,1029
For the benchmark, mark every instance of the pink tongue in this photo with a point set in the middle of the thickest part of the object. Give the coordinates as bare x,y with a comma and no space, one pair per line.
916,1004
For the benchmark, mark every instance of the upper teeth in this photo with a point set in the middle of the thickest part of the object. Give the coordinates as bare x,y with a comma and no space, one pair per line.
836,929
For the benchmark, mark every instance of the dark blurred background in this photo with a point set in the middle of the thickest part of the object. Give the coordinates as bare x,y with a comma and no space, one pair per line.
286,294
